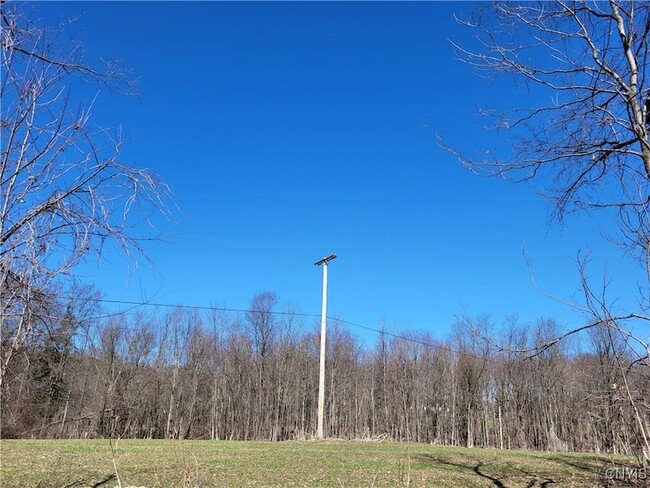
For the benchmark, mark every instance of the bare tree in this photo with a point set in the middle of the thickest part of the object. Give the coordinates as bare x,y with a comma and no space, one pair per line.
589,148
64,191
593,140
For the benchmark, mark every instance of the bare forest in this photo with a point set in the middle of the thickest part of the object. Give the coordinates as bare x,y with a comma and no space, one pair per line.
212,374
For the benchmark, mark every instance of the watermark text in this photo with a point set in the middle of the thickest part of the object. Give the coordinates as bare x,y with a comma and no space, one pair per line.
627,474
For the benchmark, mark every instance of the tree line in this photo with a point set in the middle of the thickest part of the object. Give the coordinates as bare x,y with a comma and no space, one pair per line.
191,374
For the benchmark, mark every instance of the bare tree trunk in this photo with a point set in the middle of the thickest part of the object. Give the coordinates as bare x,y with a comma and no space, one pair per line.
500,430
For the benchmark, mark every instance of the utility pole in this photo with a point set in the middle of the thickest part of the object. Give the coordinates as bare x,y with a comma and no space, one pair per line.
323,323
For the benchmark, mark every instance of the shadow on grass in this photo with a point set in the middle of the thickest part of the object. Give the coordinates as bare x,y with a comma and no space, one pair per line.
110,477
78,483
609,472
480,471
588,463
74,484
495,481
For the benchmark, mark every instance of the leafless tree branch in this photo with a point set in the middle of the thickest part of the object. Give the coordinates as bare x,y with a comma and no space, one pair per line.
64,190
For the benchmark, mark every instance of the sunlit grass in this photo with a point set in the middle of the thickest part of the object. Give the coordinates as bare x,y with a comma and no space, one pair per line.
160,463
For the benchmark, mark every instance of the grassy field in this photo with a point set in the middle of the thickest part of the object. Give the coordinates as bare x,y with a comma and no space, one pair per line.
158,463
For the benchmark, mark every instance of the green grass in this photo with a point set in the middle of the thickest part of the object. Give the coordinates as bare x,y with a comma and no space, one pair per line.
159,463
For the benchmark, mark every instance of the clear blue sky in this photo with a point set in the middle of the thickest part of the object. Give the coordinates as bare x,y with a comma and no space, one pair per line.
288,131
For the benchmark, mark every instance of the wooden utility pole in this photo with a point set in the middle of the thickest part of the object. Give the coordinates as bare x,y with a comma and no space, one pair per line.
323,329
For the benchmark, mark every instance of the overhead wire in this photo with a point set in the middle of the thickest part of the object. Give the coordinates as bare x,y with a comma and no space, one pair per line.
135,304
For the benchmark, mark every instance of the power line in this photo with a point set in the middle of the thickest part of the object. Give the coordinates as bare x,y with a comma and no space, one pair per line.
201,307
136,304
417,341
